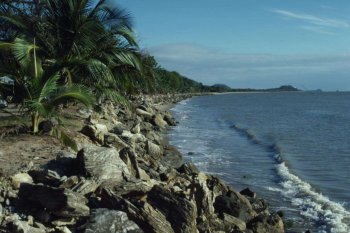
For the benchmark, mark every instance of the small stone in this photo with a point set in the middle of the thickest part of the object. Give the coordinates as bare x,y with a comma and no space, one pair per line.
20,178
39,225
30,220
63,230
64,222
11,194
136,128
70,182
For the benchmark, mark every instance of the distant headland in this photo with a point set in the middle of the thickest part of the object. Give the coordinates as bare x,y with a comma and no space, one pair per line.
225,88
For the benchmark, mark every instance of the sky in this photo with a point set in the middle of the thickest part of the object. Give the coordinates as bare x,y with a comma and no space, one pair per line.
249,43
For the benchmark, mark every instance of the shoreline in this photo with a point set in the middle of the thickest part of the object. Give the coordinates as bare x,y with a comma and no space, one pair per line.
127,169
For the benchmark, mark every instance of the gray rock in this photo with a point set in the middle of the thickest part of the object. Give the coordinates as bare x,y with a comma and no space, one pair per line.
203,196
188,168
23,227
86,186
110,221
63,230
132,138
154,150
136,128
154,137
95,132
45,176
265,223
149,219
61,202
234,204
168,175
115,140
19,178
172,157
101,163
70,182
126,189
46,126
158,120
232,222
143,113
259,205
180,212
248,193
169,120
130,159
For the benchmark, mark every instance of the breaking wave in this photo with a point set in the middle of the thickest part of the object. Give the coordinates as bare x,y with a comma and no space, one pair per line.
328,215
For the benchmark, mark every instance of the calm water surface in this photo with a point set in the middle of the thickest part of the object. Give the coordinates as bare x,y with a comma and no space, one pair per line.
291,148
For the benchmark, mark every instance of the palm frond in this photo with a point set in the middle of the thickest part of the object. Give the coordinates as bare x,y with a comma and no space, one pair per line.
73,92
48,88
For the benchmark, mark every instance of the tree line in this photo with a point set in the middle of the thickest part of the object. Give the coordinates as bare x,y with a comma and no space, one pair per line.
58,51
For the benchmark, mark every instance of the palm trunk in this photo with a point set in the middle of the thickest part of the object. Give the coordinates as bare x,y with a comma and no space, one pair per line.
35,122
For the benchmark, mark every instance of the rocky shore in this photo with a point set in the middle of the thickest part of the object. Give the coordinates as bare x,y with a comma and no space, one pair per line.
126,178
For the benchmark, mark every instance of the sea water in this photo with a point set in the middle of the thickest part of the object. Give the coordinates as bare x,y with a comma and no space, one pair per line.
293,149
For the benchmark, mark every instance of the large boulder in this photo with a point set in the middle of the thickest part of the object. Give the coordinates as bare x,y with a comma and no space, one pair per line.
203,196
180,212
110,221
132,138
143,113
265,223
169,120
154,137
188,168
114,140
148,218
132,189
154,150
45,176
234,204
101,163
159,121
95,132
130,159
59,201
172,157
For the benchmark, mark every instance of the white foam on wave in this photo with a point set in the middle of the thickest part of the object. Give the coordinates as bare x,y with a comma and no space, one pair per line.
330,215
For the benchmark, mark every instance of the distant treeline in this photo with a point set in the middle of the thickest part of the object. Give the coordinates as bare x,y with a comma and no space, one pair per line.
278,89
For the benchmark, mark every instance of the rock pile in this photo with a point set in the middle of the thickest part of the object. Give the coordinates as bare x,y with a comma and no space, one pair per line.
127,179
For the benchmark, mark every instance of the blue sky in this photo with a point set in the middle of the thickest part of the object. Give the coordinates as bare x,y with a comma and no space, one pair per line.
249,43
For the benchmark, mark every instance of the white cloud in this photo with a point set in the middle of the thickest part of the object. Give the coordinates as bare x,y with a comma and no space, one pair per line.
256,70
313,20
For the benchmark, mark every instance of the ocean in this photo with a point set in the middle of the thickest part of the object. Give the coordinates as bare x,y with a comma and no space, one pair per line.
292,148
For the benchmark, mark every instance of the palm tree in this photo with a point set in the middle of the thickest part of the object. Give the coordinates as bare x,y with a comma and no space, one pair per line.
42,95
88,42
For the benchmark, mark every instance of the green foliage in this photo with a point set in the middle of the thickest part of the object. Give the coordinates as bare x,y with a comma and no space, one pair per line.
86,41
43,95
